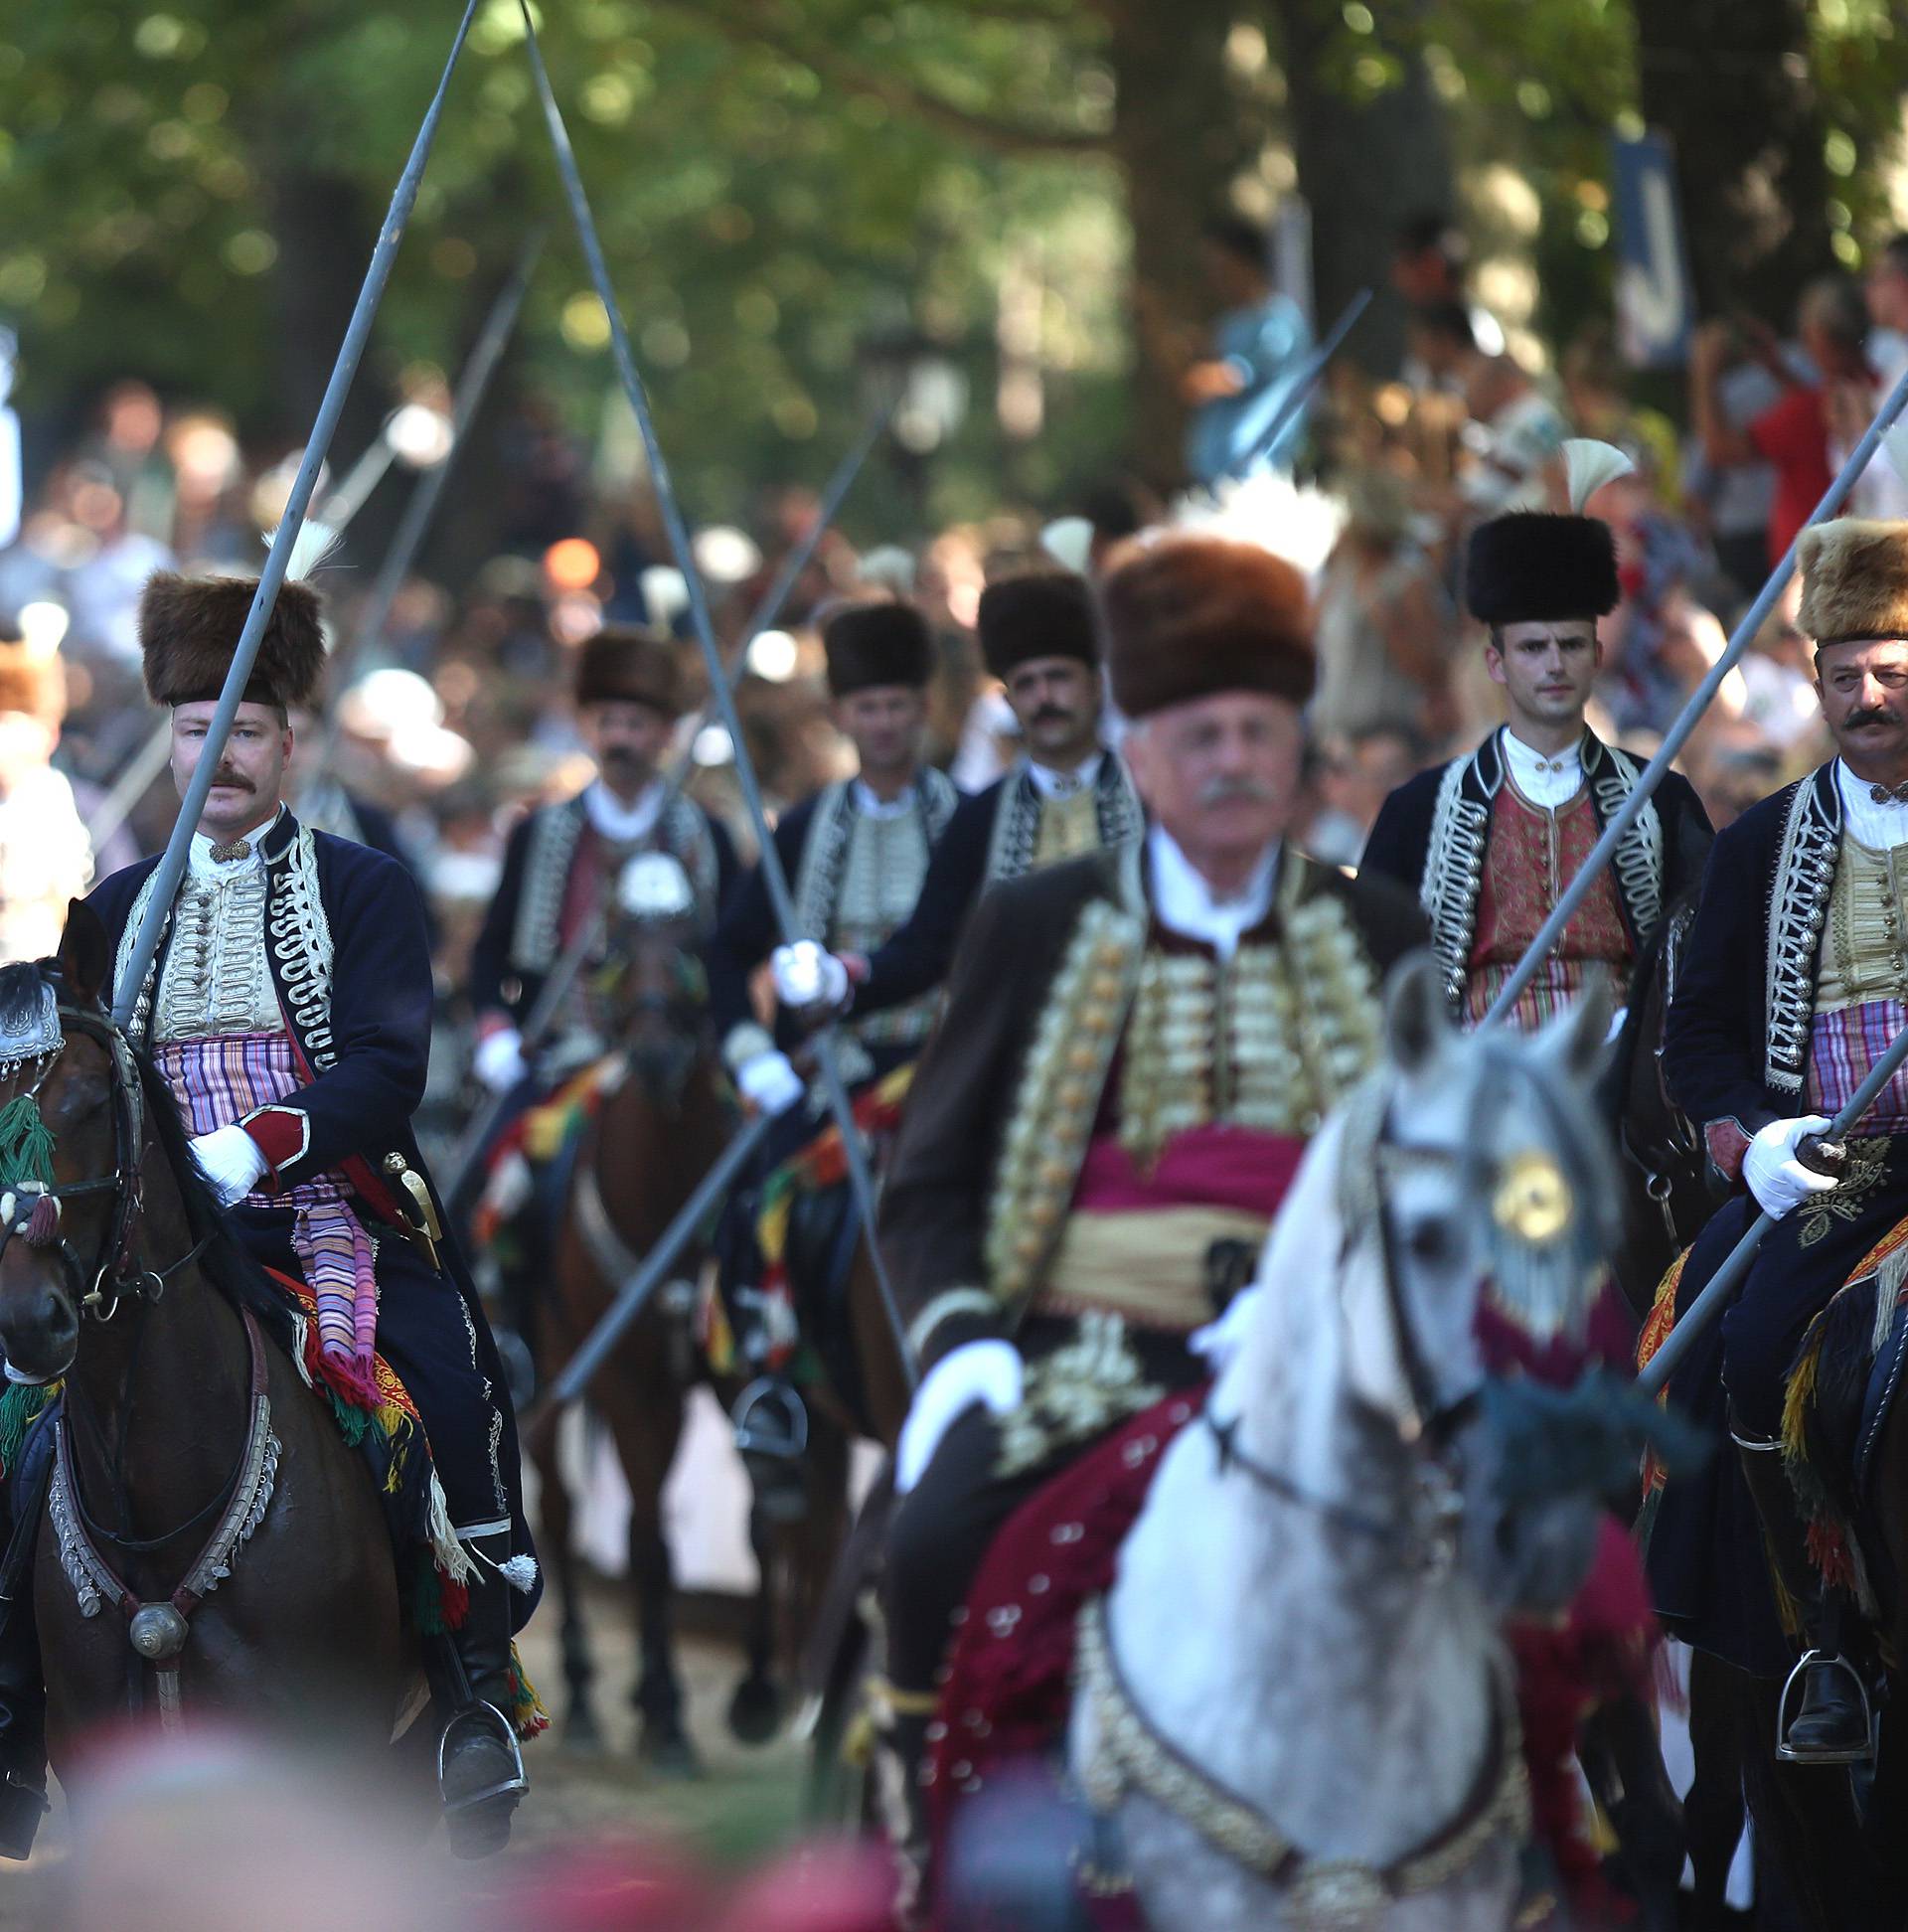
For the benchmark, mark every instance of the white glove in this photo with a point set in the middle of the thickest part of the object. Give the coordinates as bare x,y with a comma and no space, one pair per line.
807,975
1218,1343
1775,1176
977,1372
499,1059
230,1160
769,1083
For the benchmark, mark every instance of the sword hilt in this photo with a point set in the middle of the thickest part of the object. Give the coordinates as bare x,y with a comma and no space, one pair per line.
1821,1155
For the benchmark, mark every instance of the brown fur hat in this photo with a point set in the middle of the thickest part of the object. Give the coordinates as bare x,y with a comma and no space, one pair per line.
624,663
870,644
1854,581
1534,566
33,680
1191,616
1049,614
189,629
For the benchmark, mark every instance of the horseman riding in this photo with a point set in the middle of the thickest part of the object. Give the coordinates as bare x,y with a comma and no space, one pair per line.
1796,979
1137,1045
288,1015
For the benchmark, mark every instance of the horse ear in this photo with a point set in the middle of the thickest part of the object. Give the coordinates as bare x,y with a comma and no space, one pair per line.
1417,1023
1577,1037
85,955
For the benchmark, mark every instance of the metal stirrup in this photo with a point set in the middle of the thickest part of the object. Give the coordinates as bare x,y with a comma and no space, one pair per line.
1785,1752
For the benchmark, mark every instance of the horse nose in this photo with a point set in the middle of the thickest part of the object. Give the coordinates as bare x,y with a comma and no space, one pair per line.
39,1330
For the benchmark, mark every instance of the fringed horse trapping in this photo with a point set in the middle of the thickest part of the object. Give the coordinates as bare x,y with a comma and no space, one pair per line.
1842,1387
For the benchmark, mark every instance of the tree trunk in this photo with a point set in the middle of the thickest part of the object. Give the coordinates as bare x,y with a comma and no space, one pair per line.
1179,138
1728,82
1362,169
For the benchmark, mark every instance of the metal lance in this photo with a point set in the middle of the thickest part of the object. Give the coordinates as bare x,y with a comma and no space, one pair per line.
632,1295
1307,380
1674,740
540,1022
172,865
473,385
1722,1284
773,876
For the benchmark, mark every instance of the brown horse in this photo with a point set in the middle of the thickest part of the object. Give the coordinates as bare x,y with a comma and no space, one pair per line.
137,1296
659,1128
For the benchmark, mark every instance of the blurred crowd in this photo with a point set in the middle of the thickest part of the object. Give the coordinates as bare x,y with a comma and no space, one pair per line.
454,717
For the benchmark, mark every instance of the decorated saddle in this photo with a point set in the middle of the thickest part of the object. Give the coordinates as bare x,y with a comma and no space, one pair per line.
1842,1387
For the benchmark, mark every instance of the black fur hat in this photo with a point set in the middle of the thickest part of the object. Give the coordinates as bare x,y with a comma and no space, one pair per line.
189,629
627,663
1534,567
870,644
1046,615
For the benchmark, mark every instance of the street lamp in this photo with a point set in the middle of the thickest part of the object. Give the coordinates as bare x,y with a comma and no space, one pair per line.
929,391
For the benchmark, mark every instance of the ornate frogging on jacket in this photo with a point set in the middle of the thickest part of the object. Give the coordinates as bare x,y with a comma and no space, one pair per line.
536,940
1803,879
1017,821
273,917
831,830
1460,838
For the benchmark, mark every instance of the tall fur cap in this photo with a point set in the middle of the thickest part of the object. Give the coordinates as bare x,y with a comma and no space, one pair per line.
1048,613
1854,581
870,644
1187,616
188,628
624,663
1534,566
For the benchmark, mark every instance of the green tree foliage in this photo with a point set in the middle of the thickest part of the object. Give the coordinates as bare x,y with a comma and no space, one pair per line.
780,183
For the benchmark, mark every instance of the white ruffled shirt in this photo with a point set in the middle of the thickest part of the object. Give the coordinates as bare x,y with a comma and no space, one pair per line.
202,864
622,824
1065,784
1186,904
870,806
1871,822
1545,778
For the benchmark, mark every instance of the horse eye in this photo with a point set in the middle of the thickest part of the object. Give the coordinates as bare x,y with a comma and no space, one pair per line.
1431,1241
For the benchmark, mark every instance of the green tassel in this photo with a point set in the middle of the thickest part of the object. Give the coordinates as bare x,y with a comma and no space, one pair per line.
26,1143
20,1409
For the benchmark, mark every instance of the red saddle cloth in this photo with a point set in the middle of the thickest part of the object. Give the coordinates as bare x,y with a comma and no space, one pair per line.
1010,1670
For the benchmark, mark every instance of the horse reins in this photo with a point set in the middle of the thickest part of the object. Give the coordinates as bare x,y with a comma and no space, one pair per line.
157,1631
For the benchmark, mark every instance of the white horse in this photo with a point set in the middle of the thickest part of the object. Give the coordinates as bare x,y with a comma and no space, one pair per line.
1295,1700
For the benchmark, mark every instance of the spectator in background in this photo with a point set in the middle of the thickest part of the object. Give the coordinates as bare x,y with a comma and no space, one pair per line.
1257,348
1428,263
1440,348
112,563
1386,629
1796,434
1515,431
1597,401
1887,290
1731,502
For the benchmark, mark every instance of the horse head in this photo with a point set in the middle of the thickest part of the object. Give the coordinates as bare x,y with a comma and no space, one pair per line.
654,994
1477,1199
70,1131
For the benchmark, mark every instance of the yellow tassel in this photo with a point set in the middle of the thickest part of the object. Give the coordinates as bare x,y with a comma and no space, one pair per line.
1797,1397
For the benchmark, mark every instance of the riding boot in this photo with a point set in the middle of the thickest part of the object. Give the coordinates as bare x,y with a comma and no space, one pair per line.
1831,1724
480,1769
23,1689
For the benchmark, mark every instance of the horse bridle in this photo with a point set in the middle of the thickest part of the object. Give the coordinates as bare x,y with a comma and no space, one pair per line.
1435,1507
98,1287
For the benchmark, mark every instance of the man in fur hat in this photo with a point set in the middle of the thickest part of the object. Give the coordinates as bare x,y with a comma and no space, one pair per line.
856,856
1068,795
563,860
289,1011
1488,842
1119,1093
46,857
1795,980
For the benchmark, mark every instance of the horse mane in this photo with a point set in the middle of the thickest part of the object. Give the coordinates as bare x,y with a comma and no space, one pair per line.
223,1260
